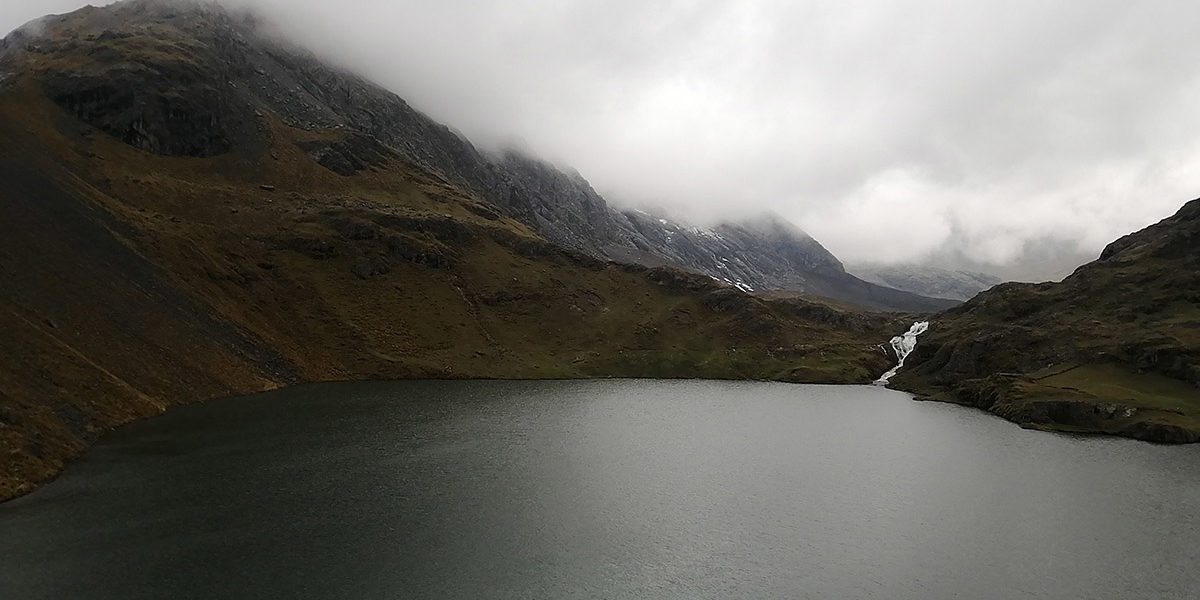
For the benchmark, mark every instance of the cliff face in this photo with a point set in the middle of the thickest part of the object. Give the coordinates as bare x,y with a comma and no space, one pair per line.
186,212
189,79
1115,347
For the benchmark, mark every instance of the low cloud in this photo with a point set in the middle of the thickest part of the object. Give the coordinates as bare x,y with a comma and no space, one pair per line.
14,13
891,131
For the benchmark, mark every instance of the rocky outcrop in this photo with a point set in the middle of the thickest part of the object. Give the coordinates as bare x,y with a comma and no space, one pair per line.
348,155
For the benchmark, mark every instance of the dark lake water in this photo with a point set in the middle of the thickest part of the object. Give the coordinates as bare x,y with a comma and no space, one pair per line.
605,489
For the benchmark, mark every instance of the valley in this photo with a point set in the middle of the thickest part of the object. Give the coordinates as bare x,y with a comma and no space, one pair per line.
193,210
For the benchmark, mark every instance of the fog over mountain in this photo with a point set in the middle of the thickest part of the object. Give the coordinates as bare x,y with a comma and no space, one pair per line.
890,131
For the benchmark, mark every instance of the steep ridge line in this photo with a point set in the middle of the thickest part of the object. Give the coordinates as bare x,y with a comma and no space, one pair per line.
178,110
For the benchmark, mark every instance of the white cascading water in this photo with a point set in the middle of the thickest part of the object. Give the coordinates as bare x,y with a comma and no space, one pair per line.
903,345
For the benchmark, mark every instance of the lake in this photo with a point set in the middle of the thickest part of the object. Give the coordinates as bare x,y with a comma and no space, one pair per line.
604,489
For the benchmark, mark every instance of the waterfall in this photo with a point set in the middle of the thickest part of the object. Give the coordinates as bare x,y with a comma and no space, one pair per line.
903,345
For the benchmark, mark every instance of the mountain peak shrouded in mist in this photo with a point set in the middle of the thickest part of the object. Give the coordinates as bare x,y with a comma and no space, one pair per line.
190,79
988,129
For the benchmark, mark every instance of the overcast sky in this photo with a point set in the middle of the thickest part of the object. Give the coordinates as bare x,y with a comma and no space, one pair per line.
891,131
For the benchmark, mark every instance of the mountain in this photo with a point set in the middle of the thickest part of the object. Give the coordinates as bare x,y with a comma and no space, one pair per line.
188,210
758,254
1114,347
206,105
1037,260
928,281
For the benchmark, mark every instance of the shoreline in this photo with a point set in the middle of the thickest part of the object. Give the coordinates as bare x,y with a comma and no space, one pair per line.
1071,417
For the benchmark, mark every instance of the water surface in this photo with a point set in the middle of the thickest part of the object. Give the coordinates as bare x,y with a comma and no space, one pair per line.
605,489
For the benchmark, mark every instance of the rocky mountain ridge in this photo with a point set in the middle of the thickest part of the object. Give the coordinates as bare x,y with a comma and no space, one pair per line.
202,106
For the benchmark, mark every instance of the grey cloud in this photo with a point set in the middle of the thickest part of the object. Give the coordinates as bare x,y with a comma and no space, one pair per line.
14,13
891,131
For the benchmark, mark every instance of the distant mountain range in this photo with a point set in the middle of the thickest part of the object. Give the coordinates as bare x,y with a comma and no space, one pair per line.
928,281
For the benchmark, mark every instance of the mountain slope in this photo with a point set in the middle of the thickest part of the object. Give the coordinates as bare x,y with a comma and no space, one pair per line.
171,230
1114,347
761,254
214,71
